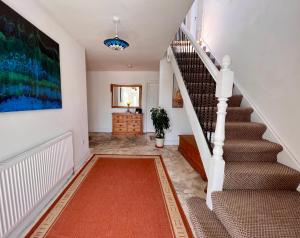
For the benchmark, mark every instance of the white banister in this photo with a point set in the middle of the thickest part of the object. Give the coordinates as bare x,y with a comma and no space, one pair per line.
212,159
217,164
190,111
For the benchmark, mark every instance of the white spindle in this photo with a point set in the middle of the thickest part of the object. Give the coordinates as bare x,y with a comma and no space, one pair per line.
217,164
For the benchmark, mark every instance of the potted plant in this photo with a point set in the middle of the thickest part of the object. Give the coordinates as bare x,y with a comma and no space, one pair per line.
161,122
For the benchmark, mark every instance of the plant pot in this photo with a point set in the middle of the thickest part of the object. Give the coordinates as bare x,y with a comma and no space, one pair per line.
159,142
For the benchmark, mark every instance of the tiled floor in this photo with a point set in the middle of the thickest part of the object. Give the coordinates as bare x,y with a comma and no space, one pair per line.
186,180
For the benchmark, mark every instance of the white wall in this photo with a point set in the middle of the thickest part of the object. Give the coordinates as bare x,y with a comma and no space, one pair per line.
262,37
99,95
194,19
178,119
20,131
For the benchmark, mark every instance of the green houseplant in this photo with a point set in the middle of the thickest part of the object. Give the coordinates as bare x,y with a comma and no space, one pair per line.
161,122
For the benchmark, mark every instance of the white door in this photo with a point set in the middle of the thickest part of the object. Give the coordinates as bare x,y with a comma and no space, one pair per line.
152,101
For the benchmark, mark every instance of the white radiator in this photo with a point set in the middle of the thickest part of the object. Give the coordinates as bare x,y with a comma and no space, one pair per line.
28,178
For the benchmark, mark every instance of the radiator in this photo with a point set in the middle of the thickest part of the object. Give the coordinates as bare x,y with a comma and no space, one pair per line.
29,177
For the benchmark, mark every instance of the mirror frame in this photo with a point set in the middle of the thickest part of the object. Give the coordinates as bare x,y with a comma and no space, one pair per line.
129,86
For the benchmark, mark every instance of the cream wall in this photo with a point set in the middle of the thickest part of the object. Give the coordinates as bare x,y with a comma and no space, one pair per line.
178,119
262,38
99,95
20,131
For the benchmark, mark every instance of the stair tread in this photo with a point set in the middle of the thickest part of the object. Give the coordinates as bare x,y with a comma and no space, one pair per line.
266,214
260,168
244,130
252,150
234,114
240,130
260,175
245,124
199,83
205,222
244,146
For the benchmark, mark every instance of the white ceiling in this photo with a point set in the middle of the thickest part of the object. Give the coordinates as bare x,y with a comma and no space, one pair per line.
147,25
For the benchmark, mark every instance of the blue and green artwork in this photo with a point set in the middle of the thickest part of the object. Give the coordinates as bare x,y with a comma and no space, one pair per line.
29,65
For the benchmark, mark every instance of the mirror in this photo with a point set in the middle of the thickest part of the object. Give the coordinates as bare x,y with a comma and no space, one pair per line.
124,96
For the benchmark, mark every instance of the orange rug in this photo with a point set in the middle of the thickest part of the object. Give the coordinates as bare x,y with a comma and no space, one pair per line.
119,197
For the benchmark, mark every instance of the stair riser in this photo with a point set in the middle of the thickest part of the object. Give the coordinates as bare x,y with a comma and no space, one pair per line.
192,70
190,78
189,61
205,88
250,157
231,116
187,56
244,133
235,116
241,181
232,133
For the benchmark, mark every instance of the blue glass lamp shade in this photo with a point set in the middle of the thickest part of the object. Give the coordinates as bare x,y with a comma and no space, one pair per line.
116,43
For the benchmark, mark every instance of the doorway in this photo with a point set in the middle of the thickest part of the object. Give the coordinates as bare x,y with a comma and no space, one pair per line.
152,101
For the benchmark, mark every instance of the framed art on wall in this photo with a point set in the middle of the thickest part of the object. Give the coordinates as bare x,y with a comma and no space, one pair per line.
177,101
29,65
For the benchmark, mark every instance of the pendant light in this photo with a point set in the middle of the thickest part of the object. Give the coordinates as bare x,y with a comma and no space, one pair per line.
116,43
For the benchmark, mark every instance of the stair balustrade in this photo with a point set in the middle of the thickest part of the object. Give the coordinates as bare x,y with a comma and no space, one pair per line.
205,90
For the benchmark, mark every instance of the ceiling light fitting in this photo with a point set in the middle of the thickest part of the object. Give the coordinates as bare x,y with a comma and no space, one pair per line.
116,43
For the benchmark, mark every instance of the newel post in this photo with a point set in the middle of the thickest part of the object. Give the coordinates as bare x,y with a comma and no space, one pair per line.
217,164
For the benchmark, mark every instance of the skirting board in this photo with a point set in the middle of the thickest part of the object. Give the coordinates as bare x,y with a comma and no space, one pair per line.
83,161
101,129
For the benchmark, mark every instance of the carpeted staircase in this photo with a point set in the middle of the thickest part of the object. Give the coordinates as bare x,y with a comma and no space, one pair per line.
259,197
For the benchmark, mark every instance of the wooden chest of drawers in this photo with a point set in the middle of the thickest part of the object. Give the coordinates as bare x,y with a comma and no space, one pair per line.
127,124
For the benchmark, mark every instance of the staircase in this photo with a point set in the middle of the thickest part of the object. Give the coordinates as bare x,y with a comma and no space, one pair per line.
258,196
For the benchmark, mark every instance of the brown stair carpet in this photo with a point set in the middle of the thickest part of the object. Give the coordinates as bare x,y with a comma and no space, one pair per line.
251,150
196,77
185,66
244,130
259,197
241,130
206,223
266,214
234,101
234,114
203,88
260,175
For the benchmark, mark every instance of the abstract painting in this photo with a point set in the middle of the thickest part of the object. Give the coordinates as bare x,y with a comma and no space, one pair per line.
29,65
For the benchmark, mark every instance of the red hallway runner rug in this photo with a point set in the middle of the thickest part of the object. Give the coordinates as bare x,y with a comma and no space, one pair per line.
119,197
